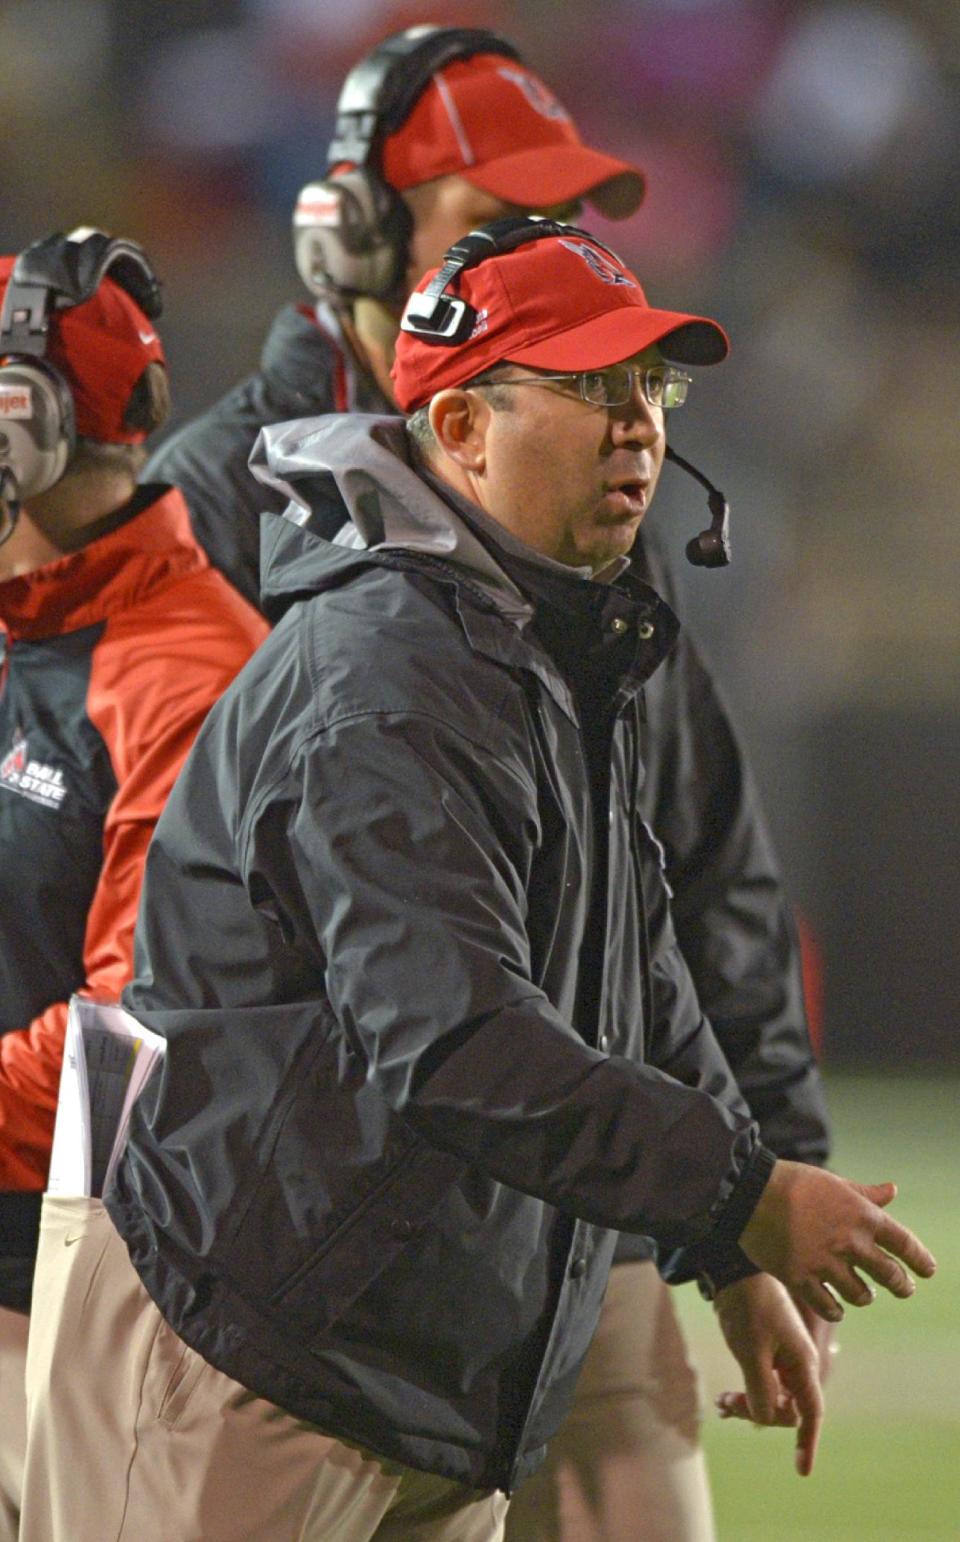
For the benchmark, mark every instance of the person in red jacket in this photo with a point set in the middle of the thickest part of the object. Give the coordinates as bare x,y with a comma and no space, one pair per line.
116,636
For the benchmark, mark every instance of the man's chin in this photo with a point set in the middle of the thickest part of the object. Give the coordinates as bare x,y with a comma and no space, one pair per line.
617,541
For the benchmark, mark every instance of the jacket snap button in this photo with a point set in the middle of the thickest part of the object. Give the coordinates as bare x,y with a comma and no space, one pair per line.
402,1228
619,626
578,1268
645,630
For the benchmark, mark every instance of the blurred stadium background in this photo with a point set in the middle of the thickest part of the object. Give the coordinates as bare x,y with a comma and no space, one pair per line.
804,186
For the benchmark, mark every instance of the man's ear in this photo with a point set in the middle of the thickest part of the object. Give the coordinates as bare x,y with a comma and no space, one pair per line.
459,421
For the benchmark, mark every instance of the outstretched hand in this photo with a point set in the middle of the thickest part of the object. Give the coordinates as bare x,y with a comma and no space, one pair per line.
779,1360
813,1230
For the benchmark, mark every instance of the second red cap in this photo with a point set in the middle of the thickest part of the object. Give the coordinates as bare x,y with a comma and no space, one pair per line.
492,121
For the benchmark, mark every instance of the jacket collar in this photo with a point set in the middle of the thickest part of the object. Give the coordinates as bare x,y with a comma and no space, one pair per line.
403,519
588,601
308,363
388,506
152,547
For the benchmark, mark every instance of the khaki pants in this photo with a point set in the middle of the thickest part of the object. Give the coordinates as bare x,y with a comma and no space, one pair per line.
132,1437
626,1464
13,1432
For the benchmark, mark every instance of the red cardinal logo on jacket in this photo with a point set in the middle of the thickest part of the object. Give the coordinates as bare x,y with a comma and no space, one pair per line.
16,761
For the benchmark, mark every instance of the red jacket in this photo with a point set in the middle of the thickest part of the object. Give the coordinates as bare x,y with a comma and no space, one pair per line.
111,658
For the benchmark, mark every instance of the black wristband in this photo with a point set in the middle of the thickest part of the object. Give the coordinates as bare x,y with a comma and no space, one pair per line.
733,1265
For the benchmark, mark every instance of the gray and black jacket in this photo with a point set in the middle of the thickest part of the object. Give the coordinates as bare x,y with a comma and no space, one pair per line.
733,923
431,1040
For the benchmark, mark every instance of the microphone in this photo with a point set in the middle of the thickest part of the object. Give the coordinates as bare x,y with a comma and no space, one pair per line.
711,548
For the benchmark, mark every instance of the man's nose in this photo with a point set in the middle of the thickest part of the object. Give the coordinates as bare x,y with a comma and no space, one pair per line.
635,420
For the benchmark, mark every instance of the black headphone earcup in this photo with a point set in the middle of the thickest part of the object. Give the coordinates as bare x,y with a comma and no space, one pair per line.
351,230
351,234
37,433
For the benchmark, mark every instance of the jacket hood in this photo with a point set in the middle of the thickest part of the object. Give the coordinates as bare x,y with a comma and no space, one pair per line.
387,506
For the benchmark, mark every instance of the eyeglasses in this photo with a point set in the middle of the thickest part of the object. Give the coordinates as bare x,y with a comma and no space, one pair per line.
662,385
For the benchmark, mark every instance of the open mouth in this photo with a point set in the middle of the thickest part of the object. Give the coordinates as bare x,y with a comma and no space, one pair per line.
627,499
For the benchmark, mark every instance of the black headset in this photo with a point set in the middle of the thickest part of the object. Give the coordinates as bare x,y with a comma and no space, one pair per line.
37,427
351,230
443,319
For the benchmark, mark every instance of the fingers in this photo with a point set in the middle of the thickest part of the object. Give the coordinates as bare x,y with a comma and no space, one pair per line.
881,1194
822,1336
762,1390
878,1246
734,1405
846,1282
800,1409
800,1378
900,1240
778,1358
808,1434
818,1298
887,1272
843,1280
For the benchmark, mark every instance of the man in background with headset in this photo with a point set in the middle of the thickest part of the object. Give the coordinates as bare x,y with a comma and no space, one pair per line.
436,132
116,637
430,1039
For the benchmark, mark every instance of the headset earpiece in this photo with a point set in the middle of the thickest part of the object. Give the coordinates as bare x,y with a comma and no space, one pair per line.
351,233
37,419
37,434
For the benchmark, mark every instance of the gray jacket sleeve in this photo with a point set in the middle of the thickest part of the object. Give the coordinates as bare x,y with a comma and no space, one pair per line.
402,849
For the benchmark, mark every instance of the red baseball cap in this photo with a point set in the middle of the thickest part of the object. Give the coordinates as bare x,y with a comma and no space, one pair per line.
101,347
560,302
493,121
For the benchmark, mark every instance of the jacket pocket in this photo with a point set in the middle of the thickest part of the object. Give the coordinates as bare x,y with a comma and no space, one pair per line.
355,1253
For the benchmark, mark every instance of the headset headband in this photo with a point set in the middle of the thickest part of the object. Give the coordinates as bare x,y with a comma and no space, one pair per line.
438,316
380,91
63,271
502,236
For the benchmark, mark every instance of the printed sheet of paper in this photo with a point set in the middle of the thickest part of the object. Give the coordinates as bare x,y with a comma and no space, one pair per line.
108,1057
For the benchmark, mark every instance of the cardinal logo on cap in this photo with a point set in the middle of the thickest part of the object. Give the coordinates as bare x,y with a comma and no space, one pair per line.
539,98
599,264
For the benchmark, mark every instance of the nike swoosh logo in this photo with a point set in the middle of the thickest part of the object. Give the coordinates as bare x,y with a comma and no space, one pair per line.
146,337
69,1241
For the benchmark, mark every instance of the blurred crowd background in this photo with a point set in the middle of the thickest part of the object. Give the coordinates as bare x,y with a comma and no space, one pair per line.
802,161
